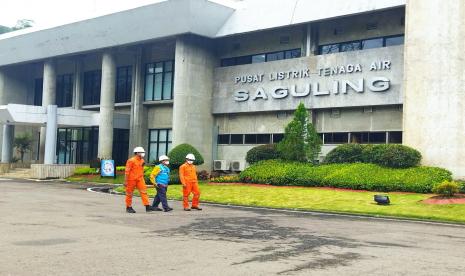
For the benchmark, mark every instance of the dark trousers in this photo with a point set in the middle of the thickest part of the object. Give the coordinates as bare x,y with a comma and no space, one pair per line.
161,197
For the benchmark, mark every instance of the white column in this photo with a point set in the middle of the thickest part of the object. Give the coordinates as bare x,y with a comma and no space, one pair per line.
78,87
51,135
7,143
434,78
107,106
48,98
138,122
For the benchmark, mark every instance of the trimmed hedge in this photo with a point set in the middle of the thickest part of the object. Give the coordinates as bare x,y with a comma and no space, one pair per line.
263,152
178,155
82,171
357,176
390,155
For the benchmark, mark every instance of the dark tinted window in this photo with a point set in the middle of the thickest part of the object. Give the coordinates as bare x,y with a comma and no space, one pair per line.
351,46
237,139
263,138
277,137
38,86
92,82
223,139
123,84
394,40
395,137
372,43
377,137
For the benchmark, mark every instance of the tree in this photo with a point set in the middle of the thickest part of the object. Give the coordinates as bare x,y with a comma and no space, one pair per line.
178,155
4,29
301,141
23,24
23,144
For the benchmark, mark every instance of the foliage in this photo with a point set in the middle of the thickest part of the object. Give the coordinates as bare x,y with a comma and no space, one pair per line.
20,24
23,144
178,155
263,152
120,168
203,175
226,179
81,171
301,141
390,155
357,176
447,188
94,163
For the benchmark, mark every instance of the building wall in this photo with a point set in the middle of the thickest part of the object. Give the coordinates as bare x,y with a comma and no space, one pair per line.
434,82
389,22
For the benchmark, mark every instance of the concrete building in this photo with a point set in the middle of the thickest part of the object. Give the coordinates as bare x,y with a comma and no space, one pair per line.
226,76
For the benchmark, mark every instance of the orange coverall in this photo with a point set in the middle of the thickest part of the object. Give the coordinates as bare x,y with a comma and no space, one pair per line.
135,179
188,177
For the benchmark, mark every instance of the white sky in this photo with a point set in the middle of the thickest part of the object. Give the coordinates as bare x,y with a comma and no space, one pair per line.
47,13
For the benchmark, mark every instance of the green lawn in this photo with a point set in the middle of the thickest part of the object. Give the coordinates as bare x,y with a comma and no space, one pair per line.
403,205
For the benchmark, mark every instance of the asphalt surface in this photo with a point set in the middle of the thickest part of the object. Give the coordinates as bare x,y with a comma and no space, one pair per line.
62,229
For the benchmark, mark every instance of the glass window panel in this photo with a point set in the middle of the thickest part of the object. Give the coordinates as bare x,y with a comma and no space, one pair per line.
223,139
161,149
149,87
377,137
159,67
158,87
372,43
150,68
250,138
153,155
170,133
395,40
263,138
359,137
351,46
169,66
274,56
292,54
162,136
329,49
154,136
228,62
244,60
277,137
167,86
395,137
258,58
169,146
237,139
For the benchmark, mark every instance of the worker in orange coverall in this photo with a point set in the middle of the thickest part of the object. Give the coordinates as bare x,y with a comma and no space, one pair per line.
134,178
188,177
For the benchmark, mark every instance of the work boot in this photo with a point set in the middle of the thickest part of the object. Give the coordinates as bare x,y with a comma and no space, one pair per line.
156,209
197,208
168,209
130,210
187,209
149,208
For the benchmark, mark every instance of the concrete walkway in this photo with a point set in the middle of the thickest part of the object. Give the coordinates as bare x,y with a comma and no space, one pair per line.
62,229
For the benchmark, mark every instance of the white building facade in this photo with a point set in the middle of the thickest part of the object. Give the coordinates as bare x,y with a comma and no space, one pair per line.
227,76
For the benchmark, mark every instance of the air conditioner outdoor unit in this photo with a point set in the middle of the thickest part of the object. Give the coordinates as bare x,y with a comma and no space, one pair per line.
220,165
237,165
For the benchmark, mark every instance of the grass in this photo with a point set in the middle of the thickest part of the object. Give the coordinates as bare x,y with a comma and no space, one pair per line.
96,178
315,199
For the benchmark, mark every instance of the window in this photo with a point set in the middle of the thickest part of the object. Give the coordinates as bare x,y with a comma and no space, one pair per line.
223,139
237,139
250,138
38,87
159,81
377,137
363,44
123,84
263,138
277,137
395,137
263,57
77,145
336,138
394,40
120,146
92,82
159,143
64,90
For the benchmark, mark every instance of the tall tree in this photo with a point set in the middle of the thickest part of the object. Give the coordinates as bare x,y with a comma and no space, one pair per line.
301,141
23,144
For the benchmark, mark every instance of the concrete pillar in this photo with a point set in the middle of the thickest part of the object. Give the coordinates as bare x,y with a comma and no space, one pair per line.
48,98
138,120
7,143
107,106
51,135
192,116
3,97
311,40
78,84
434,77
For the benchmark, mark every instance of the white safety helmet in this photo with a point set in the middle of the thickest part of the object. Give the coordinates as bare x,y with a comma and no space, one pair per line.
190,156
139,150
163,158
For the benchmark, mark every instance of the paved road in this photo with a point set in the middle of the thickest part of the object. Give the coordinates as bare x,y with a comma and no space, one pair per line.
62,229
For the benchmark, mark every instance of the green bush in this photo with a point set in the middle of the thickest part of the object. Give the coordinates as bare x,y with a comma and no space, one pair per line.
390,155
263,152
446,188
178,155
174,176
226,179
120,168
81,171
358,176
348,153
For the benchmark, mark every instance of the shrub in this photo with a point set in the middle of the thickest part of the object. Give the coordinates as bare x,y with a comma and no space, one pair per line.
446,188
351,176
178,155
348,153
203,175
226,179
174,176
263,152
120,168
391,155
82,171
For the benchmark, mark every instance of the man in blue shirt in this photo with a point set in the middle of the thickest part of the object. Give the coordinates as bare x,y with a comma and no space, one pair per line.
160,177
